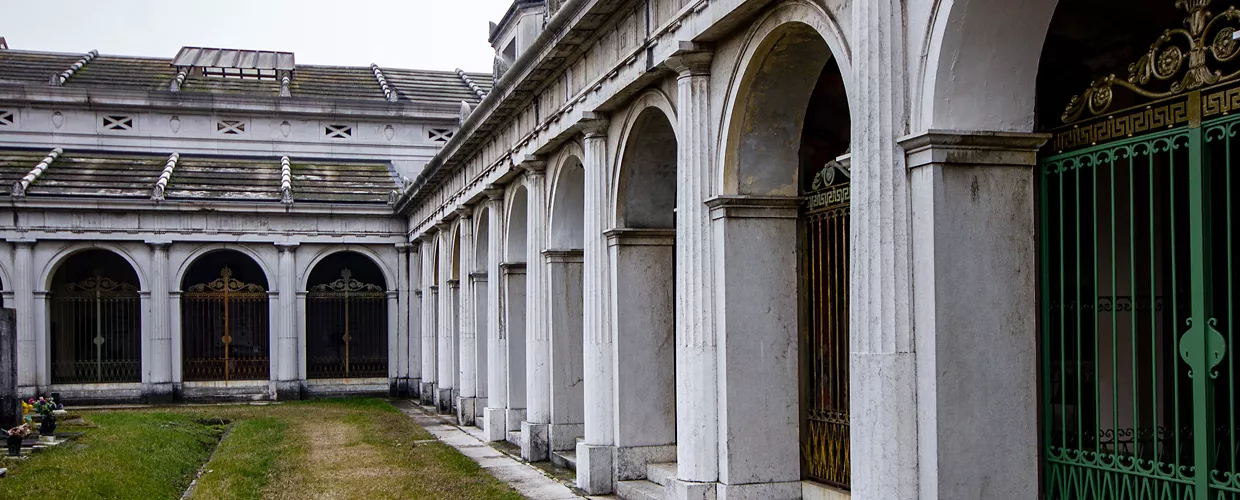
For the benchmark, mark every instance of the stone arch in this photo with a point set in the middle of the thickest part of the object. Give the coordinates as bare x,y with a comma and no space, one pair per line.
982,64
766,88
482,241
346,317
388,277
566,216
68,251
225,315
649,119
213,247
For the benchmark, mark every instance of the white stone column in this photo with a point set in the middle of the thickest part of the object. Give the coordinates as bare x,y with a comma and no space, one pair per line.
23,295
514,334
416,254
468,339
275,328
393,340
972,194
430,344
445,396
697,401
398,366
534,437
495,416
595,454
287,384
160,370
882,365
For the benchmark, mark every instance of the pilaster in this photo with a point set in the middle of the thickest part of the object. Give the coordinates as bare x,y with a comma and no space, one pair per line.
595,453
415,318
446,342
160,370
882,360
468,361
398,369
288,385
430,345
697,404
972,194
534,435
23,295
495,415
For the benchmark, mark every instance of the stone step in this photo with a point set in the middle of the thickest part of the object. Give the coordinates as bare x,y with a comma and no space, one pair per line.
514,437
565,458
661,474
640,490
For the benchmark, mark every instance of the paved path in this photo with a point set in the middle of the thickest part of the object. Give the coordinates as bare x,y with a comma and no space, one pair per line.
527,480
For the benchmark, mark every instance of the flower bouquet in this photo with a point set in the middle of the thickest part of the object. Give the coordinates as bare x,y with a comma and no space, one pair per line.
46,407
15,437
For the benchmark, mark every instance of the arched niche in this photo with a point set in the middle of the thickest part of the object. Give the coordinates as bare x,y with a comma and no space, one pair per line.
95,319
647,178
518,208
346,318
225,318
568,206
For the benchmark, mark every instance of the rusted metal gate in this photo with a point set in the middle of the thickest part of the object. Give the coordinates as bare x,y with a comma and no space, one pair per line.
224,327
96,332
346,323
824,326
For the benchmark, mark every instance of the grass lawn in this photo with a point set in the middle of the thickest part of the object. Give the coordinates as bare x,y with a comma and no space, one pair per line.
337,448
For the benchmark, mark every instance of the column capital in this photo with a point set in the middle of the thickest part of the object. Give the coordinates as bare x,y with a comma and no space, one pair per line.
973,148
404,247
494,192
159,245
691,59
465,211
593,125
23,242
531,164
287,247
444,226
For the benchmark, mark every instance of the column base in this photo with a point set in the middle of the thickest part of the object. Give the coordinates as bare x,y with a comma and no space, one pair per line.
494,424
465,411
513,418
759,491
687,490
428,394
415,388
398,388
534,444
158,393
564,436
595,473
289,390
445,401
631,461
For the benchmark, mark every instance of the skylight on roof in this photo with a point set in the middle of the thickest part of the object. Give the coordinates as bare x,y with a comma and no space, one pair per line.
232,63
242,73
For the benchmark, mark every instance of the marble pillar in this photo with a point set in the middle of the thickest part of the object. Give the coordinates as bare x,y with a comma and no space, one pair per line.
495,415
534,433
697,404
287,384
415,319
446,325
595,453
159,387
514,334
398,348
467,360
430,345
23,301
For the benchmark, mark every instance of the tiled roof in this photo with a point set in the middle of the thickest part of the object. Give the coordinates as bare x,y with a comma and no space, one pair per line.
307,82
112,175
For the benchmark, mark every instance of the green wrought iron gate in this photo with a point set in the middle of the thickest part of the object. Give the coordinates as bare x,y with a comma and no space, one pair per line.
1139,310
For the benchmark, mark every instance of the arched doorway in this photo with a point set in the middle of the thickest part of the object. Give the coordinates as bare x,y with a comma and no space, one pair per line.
95,320
480,281
643,254
1139,377
514,305
564,278
225,319
788,130
346,318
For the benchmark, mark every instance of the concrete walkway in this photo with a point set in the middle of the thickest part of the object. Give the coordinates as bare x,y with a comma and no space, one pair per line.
527,480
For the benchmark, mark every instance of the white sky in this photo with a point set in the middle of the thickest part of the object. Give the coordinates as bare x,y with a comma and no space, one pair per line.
418,34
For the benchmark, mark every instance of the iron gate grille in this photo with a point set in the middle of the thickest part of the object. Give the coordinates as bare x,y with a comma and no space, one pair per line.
824,281
346,329
96,333
1138,307
224,327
